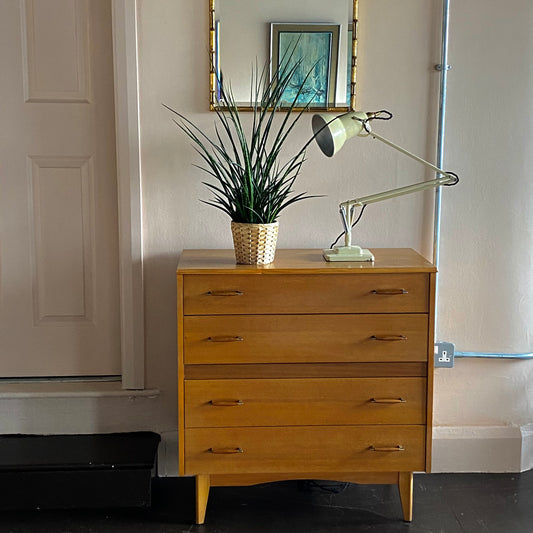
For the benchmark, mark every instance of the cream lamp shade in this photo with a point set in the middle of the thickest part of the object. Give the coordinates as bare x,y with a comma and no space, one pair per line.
332,131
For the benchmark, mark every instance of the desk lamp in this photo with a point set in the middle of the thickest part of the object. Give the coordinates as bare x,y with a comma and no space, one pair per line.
331,132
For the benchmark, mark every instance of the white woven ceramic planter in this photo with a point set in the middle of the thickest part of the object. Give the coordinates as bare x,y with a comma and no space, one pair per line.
255,244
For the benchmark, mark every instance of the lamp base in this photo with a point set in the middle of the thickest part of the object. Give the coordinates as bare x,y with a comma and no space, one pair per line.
348,253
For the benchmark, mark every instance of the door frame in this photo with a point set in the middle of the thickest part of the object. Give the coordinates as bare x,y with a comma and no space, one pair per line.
125,60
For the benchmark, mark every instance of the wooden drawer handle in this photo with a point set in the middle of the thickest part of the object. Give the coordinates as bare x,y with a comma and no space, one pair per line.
389,292
398,448
387,400
225,338
226,403
389,338
225,451
224,293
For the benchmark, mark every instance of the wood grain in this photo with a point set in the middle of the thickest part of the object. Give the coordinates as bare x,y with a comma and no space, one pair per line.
305,338
202,495
309,370
304,293
431,369
303,449
387,260
405,486
275,402
181,373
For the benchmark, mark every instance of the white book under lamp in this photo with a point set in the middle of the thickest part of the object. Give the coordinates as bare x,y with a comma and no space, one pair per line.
331,132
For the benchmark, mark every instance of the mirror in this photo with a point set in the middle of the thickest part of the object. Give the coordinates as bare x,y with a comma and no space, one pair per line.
324,33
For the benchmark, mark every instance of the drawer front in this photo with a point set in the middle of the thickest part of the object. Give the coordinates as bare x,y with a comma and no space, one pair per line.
304,449
305,338
304,402
314,293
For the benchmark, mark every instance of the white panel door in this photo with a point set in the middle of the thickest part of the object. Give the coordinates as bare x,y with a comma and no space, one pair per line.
59,300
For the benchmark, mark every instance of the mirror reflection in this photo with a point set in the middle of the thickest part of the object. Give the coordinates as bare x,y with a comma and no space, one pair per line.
244,34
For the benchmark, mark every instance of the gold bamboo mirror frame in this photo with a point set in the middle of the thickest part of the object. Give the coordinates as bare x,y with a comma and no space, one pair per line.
243,34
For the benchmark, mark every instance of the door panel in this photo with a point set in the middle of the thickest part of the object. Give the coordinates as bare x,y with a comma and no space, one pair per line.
59,299
55,44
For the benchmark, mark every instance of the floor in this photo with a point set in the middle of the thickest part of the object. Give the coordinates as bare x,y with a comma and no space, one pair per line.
447,503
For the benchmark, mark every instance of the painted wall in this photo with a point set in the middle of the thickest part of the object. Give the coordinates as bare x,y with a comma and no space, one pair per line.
486,288
485,299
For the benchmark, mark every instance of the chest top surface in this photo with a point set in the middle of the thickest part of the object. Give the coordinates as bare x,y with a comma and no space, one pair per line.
303,261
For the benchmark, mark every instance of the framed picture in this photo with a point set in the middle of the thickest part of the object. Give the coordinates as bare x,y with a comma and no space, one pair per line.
317,47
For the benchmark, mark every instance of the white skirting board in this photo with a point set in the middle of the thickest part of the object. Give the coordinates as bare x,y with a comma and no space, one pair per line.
167,457
482,449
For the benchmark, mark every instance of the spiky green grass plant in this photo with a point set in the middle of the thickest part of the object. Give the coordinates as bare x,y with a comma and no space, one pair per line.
250,183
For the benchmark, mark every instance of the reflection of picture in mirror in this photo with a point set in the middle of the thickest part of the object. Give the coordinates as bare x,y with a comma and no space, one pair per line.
316,47
313,52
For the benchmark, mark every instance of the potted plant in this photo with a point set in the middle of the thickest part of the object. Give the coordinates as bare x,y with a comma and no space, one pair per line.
249,182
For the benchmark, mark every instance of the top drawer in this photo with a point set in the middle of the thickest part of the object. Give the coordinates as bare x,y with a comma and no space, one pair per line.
309,293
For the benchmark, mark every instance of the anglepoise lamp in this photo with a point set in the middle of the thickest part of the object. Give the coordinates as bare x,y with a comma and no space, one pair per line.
331,132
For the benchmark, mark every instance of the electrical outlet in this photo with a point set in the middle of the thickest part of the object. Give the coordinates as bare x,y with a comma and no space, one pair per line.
444,352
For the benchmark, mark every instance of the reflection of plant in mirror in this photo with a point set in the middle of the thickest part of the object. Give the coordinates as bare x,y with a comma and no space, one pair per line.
250,183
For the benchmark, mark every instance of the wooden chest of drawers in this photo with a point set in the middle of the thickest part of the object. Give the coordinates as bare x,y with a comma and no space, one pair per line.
303,369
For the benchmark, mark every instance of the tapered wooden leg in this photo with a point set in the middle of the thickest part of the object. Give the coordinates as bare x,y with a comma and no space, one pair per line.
405,485
202,494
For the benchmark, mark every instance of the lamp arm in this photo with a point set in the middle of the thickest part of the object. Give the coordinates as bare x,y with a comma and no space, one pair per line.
409,154
447,179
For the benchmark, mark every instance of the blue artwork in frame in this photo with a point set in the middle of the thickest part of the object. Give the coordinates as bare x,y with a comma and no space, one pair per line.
316,46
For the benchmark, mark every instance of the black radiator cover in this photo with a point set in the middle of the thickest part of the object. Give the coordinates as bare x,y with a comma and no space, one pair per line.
77,471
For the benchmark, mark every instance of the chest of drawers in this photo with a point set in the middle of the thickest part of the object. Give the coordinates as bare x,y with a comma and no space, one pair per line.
303,369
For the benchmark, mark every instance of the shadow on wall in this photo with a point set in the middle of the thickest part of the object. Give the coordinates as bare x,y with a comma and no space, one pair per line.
160,327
